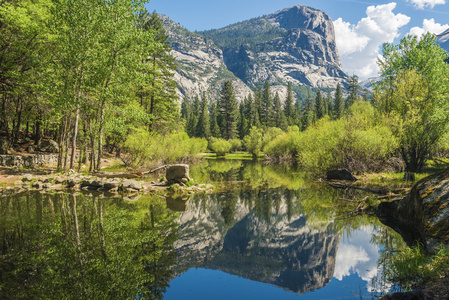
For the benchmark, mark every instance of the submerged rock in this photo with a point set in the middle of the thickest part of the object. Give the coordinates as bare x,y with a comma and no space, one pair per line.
423,214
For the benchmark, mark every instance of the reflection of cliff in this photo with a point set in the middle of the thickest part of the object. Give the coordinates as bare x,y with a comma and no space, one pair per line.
285,251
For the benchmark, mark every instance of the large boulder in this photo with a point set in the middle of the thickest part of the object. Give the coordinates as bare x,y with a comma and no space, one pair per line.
177,173
3,145
340,174
423,214
49,146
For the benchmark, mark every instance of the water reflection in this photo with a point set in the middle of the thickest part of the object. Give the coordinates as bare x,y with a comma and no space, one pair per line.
84,247
288,238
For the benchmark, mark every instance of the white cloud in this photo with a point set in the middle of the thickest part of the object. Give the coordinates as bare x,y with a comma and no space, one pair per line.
429,26
421,4
359,44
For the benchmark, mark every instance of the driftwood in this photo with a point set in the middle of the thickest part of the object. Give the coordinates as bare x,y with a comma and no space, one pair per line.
154,170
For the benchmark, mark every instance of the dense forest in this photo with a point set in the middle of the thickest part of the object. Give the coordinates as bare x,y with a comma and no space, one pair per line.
83,73
97,76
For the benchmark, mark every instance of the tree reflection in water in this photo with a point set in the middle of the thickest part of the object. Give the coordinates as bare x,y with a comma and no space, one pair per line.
75,246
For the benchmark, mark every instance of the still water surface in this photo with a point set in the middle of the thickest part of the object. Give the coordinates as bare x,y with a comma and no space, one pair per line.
273,235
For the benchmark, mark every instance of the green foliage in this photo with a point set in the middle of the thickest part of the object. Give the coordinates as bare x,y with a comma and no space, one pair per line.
144,147
236,145
254,141
413,90
229,113
361,141
412,266
220,146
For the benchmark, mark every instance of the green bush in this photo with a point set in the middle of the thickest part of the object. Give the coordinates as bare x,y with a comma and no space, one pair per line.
220,146
144,148
253,142
361,141
236,145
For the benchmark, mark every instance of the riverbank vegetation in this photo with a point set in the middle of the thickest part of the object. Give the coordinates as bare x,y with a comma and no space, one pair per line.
399,127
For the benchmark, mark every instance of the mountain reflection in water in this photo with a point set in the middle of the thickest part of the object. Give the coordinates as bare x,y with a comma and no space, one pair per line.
273,235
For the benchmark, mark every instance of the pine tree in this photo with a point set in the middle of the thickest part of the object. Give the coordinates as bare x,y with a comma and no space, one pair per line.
328,104
353,90
267,107
280,119
339,104
320,109
203,125
243,126
289,109
228,111
308,116
214,128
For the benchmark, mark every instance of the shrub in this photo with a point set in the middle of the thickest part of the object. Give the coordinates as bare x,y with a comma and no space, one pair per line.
361,141
236,145
253,142
220,146
144,148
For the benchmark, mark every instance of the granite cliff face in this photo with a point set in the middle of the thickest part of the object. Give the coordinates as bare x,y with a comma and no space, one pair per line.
200,64
295,45
443,40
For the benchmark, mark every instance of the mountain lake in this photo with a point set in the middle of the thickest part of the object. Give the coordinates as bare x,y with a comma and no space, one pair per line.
274,234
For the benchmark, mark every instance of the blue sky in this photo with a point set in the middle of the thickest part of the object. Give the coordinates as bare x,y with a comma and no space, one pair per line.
360,26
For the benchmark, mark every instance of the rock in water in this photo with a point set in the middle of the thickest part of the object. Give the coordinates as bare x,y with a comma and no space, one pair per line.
423,214
340,174
177,173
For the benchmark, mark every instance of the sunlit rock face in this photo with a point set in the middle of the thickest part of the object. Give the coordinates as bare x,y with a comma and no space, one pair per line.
295,45
271,245
300,48
200,64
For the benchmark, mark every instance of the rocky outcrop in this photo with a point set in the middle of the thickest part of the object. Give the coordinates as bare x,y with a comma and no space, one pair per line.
423,214
48,146
294,45
28,161
200,63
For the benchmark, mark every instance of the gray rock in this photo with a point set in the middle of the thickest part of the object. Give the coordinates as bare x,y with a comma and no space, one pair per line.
422,215
340,174
177,172
36,185
111,184
26,177
59,180
96,183
49,146
71,183
130,184
30,149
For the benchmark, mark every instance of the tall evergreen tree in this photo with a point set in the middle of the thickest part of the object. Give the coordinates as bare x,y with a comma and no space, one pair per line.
289,109
280,119
328,103
353,90
267,106
320,110
339,104
214,127
308,115
243,126
158,95
203,125
228,111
